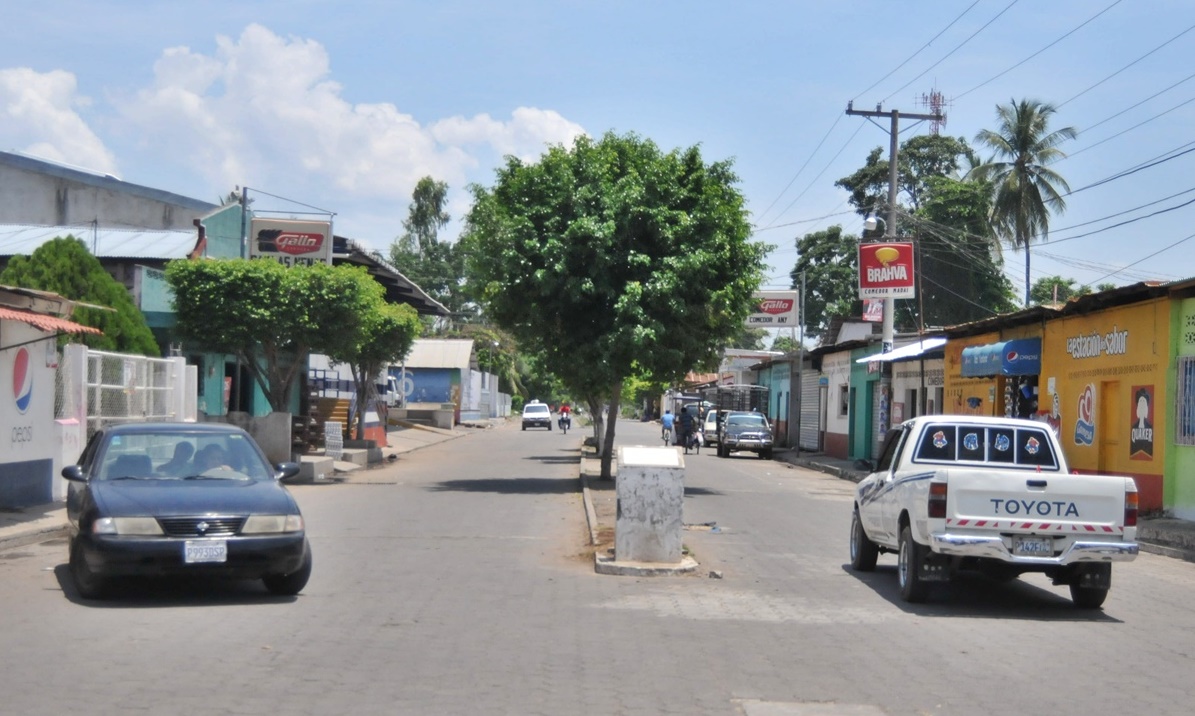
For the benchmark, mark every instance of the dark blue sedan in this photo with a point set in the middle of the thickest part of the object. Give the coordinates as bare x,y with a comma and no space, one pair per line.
160,499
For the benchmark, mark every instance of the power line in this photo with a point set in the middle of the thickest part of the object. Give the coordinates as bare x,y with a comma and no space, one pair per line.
1147,164
956,49
910,57
819,174
1145,258
1152,96
1035,54
1122,69
811,156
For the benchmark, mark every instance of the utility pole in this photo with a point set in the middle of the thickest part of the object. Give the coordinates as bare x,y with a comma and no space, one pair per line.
889,235
890,224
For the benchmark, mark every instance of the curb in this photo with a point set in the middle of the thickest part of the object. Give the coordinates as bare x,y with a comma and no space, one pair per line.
37,536
608,565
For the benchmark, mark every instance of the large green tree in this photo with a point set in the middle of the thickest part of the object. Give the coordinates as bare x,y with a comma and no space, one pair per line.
436,266
613,258
65,266
385,335
830,262
1024,190
268,315
1058,289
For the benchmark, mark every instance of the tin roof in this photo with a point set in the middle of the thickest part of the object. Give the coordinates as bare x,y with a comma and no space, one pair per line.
24,239
440,353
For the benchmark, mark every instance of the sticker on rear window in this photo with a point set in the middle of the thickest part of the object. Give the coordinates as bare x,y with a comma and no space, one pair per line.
971,441
1003,443
1032,446
940,440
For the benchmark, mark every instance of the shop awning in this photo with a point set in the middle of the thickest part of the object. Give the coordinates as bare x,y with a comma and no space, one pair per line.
912,350
50,324
1017,357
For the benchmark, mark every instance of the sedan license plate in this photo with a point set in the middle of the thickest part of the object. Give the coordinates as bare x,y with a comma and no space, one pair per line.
1033,546
201,551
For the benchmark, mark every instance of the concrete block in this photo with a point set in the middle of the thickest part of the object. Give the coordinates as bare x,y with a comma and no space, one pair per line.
359,456
651,491
313,468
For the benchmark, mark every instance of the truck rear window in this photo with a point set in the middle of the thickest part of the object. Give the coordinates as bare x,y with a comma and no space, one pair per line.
985,444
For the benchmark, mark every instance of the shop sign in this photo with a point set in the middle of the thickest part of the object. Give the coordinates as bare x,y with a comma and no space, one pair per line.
774,309
1141,441
1085,420
886,270
1094,345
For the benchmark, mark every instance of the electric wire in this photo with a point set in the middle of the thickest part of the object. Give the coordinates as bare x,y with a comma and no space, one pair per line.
819,174
811,156
1035,54
1122,69
1152,96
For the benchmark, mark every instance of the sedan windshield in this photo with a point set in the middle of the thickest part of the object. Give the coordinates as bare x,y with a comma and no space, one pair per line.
178,455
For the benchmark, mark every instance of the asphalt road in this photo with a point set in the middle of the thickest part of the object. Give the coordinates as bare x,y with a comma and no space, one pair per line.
456,581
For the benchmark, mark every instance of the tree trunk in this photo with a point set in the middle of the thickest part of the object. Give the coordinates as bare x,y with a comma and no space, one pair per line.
611,421
595,412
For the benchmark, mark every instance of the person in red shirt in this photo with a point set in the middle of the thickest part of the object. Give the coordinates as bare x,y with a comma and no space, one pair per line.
566,416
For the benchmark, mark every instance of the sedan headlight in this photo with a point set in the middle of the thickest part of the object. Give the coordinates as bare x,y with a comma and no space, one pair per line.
126,526
272,524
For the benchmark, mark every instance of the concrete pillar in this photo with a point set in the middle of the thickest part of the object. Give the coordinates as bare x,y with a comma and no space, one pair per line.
650,491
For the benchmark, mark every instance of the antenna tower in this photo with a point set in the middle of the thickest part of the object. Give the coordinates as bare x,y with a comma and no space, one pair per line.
935,101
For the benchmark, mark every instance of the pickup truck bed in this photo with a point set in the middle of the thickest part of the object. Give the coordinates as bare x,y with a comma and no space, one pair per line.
993,495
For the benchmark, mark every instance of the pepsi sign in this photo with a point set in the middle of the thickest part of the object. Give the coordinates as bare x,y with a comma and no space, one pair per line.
22,380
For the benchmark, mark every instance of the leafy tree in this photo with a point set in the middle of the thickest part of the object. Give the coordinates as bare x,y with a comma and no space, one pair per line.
613,259
749,338
65,266
386,333
268,315
830,262
437,267
919,159
1024,190
784,343
1056,289
958,260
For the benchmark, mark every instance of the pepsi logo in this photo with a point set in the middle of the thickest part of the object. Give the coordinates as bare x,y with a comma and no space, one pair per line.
22,380
1011,356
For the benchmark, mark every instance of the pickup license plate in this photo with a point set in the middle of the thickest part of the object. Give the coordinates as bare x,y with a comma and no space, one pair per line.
1033,546
200,551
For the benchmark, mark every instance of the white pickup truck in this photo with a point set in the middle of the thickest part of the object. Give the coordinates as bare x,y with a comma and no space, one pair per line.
953,492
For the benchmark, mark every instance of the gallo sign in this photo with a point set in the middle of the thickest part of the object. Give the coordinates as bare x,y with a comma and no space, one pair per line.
774,309
886,270
291,242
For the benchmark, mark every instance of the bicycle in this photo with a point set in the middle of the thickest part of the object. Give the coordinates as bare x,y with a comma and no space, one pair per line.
667,432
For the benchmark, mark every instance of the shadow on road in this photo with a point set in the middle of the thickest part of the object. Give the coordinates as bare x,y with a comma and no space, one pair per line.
172,592
570,459
972,595
511,485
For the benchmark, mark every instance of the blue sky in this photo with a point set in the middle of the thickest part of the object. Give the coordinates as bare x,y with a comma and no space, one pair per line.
345,105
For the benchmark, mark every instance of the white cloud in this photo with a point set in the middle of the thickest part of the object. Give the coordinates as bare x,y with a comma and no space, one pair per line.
262,111
38,112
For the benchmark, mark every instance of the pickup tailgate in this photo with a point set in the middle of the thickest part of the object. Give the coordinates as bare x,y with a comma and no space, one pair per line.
1013,501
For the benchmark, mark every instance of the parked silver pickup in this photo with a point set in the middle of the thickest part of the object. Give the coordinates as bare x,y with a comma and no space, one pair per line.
951,493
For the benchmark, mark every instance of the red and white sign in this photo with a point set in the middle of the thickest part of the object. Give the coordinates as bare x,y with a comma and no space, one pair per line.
873,310
774,309
886,270
290,241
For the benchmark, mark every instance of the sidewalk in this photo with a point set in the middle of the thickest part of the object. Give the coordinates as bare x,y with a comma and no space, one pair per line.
29,525
1158,535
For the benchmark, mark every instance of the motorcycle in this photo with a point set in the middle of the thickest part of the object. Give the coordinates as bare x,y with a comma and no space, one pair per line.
565,422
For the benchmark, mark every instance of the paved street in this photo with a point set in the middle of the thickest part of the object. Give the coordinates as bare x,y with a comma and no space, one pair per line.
457,581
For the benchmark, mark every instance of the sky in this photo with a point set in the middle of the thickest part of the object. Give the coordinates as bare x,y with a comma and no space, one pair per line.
343,106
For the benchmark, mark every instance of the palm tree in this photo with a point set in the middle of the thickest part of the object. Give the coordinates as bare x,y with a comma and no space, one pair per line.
1024,191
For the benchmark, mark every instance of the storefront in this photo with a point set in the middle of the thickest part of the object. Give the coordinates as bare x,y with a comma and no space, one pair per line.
994,373
1103,385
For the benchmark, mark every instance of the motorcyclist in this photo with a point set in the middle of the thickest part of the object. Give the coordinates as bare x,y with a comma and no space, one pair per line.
566,416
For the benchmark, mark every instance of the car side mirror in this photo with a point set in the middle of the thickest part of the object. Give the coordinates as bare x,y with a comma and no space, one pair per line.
74,473
284,471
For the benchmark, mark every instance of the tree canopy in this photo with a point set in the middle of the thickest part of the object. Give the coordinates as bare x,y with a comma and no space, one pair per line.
1024,190
65,266
386,333
612,258
436,266
269,315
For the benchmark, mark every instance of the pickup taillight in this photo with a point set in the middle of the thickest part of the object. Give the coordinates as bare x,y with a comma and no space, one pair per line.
937,499
1130,508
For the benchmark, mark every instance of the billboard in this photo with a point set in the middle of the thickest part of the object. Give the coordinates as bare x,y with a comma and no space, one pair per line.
886,270
292,242
774,309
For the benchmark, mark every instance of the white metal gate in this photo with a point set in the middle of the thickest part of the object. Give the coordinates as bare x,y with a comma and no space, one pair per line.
101,388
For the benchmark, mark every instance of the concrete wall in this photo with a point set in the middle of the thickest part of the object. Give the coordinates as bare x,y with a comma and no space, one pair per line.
44,193
836,369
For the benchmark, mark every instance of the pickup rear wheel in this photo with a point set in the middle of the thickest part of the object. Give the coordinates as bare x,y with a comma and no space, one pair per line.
863,551
908,568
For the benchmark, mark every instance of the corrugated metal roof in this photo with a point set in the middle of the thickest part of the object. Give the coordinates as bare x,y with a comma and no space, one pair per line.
50,324
24,239
440,353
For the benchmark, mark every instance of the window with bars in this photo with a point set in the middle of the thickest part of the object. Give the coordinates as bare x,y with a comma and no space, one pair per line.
1184,431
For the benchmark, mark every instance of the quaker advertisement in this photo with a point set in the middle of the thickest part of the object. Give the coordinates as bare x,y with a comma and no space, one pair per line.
291,242
1141,441
886,270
